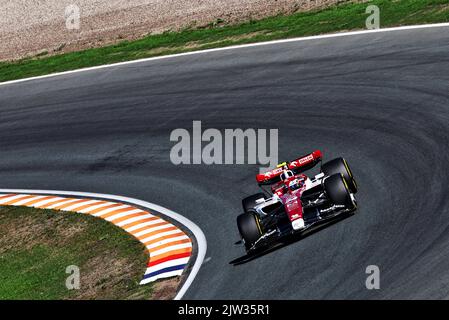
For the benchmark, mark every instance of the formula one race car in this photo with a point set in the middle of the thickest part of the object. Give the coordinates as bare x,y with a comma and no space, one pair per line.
296,202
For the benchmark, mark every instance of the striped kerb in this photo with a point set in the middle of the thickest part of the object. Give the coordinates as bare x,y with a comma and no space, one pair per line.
169,247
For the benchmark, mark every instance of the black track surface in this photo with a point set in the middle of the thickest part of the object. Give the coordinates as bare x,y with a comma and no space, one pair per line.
380,100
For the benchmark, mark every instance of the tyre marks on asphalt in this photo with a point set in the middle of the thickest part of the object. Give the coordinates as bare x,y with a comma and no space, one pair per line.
169,247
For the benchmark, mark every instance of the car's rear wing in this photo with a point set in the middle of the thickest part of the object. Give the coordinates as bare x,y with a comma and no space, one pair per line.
297,166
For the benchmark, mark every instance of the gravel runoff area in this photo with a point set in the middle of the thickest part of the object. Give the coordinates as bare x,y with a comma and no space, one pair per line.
38,27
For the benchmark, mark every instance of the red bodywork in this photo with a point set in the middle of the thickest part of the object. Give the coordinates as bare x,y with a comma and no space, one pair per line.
299,164
291,198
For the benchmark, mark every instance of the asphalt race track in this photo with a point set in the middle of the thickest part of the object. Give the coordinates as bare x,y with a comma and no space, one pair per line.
380,100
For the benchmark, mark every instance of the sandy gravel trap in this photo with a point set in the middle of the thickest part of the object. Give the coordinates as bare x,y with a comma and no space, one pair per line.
33,27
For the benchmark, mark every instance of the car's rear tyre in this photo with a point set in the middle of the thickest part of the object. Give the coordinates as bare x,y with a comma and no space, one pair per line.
340,165
250,202
337,190
249,227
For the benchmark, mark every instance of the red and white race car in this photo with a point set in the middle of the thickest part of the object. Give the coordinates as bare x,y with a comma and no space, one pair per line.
296,202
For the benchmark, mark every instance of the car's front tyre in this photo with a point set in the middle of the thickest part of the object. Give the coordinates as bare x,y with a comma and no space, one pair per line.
340,165
337,191
250,228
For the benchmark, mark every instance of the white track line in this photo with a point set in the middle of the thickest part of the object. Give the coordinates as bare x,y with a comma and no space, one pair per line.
199,235
324,36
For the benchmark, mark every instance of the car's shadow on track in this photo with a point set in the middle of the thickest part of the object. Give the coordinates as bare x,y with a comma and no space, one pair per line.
289,240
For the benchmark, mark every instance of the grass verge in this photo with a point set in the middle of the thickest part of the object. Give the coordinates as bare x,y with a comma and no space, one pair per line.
36,247
342,17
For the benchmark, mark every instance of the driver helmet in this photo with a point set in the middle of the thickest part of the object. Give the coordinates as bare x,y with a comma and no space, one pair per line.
295,184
